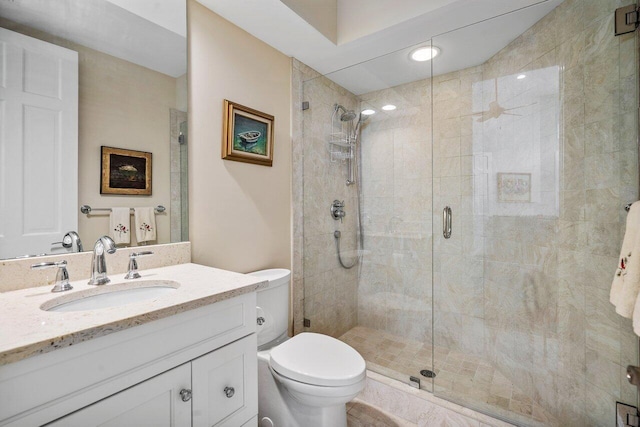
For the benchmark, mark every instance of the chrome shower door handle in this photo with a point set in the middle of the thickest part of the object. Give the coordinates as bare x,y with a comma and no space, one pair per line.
446,222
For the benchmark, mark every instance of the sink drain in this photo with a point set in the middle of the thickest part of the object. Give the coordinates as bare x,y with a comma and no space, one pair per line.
427,373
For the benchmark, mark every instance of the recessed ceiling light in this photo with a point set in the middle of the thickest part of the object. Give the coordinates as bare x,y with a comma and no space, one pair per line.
368,112
521,76
389,107
424,53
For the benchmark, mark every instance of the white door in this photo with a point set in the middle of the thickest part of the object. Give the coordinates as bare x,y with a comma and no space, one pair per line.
38,144
225,385
153,403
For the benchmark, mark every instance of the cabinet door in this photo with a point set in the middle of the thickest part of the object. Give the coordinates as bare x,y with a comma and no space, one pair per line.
225,385
153,403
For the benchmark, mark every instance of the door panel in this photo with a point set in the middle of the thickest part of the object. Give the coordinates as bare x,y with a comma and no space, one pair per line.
225,385
38,144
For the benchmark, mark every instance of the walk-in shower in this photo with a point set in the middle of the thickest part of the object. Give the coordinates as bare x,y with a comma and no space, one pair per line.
533,146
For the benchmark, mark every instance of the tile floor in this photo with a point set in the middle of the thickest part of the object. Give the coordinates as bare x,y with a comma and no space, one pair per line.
464,379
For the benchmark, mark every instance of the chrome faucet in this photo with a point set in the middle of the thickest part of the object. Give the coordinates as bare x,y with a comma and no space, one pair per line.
72,241
98,262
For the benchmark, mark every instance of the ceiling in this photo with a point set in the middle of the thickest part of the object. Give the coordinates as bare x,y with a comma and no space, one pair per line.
150,33
374,37
375,54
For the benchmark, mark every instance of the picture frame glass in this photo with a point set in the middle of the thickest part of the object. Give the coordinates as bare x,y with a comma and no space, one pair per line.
125,172
250,133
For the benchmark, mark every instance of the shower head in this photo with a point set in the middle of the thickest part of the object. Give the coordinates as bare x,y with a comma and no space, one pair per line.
347,115
362,118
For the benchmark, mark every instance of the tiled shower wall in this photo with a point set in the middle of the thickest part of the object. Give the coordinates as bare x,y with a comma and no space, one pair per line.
330,291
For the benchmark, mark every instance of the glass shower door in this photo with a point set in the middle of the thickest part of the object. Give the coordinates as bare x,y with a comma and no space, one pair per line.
535,152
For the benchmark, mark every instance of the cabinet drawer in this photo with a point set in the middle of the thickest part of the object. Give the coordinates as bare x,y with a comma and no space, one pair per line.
155,402
225,388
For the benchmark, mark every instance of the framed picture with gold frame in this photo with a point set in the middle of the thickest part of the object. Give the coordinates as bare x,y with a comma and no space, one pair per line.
247,135
125,172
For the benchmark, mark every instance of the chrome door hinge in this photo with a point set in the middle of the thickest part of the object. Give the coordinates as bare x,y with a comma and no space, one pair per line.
627,19
626,415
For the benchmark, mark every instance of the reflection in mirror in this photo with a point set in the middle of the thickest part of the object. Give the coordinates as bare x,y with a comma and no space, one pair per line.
79,75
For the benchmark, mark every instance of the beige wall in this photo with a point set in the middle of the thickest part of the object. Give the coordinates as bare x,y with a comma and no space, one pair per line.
321,14
239,214
360,18
122,105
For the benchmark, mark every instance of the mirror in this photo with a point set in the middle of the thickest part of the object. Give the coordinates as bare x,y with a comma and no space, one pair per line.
131,95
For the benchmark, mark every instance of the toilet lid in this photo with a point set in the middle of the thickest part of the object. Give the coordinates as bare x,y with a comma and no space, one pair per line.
319,360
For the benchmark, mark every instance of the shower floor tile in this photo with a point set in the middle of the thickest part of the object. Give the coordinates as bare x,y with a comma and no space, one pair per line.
464,379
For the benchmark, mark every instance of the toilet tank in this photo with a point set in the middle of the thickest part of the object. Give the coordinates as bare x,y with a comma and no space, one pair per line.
273,305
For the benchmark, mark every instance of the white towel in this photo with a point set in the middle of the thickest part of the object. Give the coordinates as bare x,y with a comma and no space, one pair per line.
120,225
145,220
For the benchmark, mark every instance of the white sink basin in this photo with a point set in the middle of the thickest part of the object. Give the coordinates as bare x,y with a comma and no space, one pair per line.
111,296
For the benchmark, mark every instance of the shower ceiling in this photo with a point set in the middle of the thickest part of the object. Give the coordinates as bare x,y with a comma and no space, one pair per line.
274,23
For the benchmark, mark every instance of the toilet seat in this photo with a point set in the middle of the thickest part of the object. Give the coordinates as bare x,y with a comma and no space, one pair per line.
318,360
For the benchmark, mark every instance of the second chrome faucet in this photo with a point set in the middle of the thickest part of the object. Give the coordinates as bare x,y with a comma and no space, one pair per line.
98,262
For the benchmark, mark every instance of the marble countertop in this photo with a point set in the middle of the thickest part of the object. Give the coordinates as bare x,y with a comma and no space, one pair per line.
26,330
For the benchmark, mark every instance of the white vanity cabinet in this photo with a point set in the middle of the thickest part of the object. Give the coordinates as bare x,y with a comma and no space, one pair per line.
216,388
134,377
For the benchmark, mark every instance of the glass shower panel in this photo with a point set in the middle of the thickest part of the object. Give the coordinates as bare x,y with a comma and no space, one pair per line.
390,287
535,152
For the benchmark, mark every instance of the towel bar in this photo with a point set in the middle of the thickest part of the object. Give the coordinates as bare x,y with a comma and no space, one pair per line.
86,209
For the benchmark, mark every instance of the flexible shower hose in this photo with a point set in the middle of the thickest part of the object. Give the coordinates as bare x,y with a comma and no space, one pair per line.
337,234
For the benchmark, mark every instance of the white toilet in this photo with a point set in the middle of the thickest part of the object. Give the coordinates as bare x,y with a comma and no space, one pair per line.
304,381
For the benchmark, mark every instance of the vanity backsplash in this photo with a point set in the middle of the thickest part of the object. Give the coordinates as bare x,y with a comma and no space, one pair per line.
17,273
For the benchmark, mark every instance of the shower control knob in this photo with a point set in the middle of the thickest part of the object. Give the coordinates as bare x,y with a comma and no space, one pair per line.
260,321
185,394
337,210
229,392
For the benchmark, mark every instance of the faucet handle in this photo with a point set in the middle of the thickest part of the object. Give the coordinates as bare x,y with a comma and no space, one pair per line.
62,276
133,264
